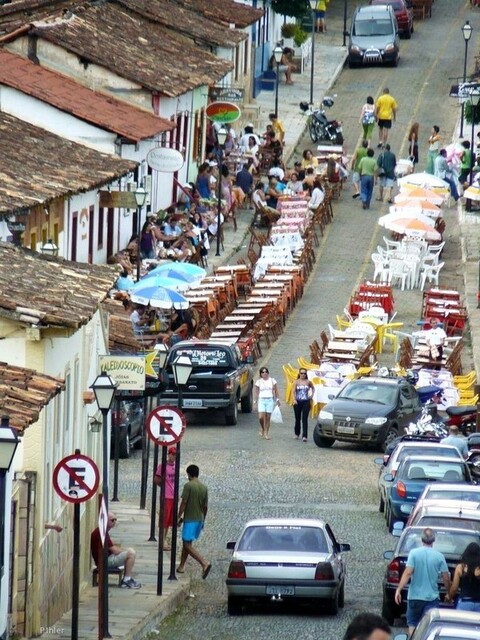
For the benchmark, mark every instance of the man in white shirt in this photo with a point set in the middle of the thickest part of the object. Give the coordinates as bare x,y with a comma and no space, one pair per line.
435,338
456,440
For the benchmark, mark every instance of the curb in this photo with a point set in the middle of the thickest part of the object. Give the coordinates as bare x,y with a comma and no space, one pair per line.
169,606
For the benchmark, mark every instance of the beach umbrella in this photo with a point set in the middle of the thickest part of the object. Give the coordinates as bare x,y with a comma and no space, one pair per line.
186,268
413,228
160,298
423,179
413,208
160,281
417,193
395,216
175,274
472,193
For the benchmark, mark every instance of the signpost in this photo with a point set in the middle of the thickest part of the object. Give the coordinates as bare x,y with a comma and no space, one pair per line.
76,479
166,425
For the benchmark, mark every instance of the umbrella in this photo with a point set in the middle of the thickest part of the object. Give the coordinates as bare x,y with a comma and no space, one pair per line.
472,193
412,227
182,267
395,216
175,274
160,298
160,281
418,193
413,207
423,179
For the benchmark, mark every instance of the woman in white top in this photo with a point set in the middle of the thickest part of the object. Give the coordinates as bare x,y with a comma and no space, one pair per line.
367,118
266,396
318,196
294,184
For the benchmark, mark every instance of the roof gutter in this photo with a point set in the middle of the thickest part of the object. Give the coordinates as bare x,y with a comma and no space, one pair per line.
9,37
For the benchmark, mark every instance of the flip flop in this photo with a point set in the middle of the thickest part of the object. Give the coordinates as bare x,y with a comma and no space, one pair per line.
180,570
206,571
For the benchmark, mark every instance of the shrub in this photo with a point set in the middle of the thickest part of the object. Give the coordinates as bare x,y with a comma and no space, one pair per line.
289,29
300,36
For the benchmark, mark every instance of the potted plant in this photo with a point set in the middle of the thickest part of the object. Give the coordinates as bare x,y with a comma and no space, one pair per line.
300,36
288,32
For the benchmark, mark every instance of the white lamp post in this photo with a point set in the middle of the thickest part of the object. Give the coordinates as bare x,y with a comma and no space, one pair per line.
221,139
313,4
49,248
277,54
467,34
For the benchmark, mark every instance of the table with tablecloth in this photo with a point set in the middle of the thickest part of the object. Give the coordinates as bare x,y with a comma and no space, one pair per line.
443,379
329,378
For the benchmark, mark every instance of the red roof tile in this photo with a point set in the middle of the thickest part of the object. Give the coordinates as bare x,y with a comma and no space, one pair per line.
226,11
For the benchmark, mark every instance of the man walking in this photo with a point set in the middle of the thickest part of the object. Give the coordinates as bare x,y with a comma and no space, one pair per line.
367,168
193,508
367,626
456,440
424,564
386,164
386,109
360,152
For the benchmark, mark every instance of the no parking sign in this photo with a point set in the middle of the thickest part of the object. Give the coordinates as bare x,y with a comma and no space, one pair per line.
76,478
166,425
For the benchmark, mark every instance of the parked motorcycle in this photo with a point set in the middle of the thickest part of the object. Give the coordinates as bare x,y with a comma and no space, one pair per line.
465,418
322,129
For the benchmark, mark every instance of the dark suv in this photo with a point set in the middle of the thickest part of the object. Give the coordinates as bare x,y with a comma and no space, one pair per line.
127,417
368,411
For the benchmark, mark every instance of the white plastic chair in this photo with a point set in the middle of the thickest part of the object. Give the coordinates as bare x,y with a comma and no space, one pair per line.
392,245
398,271
431,273
381,267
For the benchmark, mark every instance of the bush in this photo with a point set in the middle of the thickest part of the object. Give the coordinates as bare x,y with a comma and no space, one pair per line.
300,36
289,29
469,110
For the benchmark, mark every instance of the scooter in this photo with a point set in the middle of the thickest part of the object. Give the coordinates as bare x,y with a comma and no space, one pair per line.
322,129
465,418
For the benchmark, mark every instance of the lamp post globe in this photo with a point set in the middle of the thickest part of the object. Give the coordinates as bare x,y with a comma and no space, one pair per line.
467,34
104,389
182,368
277,54
9,441
313,4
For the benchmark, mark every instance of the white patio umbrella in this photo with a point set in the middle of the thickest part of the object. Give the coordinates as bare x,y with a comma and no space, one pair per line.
414,207
393,217
472,193
418,193
423,179
413,228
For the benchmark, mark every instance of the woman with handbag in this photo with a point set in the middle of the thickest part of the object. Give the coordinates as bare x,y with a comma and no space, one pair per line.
266,397
302,395
367,118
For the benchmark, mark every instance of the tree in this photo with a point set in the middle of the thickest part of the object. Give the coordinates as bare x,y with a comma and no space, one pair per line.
291,8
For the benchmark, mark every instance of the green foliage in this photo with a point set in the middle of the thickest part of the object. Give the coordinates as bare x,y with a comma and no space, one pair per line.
291,8
300,36
469,110
289,29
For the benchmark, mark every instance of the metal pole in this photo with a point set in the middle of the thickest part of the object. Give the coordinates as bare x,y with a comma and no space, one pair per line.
276,88
105,631
145,458
468,204
75,568
464,80
154,497
139,231
312,64
160,527
116,452
344,22
219,196
173,556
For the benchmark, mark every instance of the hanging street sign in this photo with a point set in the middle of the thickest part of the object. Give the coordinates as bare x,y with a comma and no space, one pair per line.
128,371
166,425
76,478
230,94
165,160
223,112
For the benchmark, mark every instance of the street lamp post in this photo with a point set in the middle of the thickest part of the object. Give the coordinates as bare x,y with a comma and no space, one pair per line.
104,389
49,248
313,4
474,99
467,34
182,368
140,197
277,54
221,138
344,22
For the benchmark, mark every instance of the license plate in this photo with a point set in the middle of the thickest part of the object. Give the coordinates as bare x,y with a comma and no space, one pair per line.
274,590
349,430
192,404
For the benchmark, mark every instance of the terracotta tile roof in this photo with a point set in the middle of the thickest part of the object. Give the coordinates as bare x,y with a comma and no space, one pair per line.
24,393
134,48
64,93
187,21
121,338
226,11
37,166
43,291
20,12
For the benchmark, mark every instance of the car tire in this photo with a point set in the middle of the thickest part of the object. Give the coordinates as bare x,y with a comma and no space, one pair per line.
231,414
247,402
320,441
341,596
390,435
352,64
389,518
234,606
388,613
124,446
395,62
381,505
334,604
407,34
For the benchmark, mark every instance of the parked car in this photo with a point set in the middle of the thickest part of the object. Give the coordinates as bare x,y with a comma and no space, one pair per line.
368,411
373,36
459,505
286,559
127,421
452,542
432,515
445,624
401,451
403,10
463,492
412,476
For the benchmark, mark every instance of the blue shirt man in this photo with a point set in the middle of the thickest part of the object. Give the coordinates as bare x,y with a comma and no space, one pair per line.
456,440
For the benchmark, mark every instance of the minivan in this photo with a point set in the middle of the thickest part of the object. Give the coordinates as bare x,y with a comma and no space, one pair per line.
374,36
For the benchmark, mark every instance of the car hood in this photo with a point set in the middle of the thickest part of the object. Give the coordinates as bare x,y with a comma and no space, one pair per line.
368,42
343,408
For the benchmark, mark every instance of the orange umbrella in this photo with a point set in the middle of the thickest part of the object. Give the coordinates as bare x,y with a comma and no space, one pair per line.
410,227
414,206
420,194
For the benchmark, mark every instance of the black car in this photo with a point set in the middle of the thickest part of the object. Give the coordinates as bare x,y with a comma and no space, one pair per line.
368,411
127,421
451,542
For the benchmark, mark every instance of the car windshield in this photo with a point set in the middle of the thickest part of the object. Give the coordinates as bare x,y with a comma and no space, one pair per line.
447,542
439,452
369,392
374,27
453,494
283,538
432,471
446,521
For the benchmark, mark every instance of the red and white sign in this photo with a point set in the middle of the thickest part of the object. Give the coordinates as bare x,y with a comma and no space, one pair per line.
76,478
166,425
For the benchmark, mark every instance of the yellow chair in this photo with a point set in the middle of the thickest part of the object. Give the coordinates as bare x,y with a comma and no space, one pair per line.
385,334
467,401
342,323
304,364
291,375
316,408
465,380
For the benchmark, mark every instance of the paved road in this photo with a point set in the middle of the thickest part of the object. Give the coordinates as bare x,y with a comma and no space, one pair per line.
250,477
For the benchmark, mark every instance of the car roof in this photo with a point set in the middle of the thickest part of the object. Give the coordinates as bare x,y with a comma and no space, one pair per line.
422,443
448,486
431,459
419,529
391,382
441,510
287,522
453,503
373,11
453,615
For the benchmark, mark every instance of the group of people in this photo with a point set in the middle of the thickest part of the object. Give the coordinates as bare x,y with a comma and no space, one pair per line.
147,324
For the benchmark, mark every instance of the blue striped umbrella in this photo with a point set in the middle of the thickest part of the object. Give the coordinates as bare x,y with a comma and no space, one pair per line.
160,298
185,268
160,281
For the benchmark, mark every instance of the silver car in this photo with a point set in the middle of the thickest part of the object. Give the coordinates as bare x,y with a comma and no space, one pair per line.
281,559
445,624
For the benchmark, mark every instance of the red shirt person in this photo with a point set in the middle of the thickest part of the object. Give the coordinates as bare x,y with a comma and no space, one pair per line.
169,491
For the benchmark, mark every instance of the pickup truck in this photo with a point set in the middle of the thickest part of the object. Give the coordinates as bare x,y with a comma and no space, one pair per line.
220,379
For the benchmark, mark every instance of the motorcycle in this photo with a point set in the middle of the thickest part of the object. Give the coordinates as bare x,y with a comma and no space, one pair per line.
322,129
465,418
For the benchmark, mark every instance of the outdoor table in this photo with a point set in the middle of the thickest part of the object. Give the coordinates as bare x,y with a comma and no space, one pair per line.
226,334
291,239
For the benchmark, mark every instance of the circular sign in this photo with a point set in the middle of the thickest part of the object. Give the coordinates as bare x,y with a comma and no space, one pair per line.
222,112
165,159
76,478
166,425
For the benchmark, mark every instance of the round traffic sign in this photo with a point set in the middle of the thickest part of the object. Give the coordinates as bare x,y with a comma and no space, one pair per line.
166,425
222,112
76,478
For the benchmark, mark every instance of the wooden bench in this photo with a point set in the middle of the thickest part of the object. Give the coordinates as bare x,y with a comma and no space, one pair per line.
112,571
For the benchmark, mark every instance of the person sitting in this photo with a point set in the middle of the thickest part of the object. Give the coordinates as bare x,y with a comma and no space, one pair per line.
244,180
309,160
202,183
318,196
171,229
148,242
248,134
294,184
117,556
309,179
268,214
273,145
276,170
124,282
273,192
139,318
181,328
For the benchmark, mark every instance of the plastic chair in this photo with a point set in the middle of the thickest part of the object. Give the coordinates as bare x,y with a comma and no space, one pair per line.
381,264
342,323
431,273
304,364
392,245
384,335
398,271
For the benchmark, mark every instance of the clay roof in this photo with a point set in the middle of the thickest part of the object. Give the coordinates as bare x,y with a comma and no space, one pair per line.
226,11
134,48
186,20
20,12
24,393
45,291
64,93
121,338
37,166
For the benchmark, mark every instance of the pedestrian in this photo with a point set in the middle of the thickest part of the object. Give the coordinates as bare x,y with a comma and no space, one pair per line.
278,128
320,11
386,164
435,338
442,170
467,578
434,142
424,564
192,513
360,152
266,397
117,556
386,112
317,197
413,143
454,439
367,118
168,511
466,163
367,168
368,626
302,395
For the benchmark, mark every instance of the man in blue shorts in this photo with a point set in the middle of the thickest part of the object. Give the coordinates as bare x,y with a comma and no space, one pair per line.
424,564
192,512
